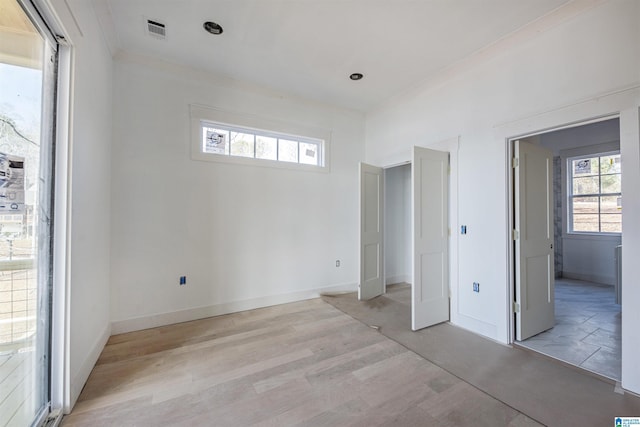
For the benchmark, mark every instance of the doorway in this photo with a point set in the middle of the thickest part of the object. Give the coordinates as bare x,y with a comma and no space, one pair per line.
397,235
429,236
397,225
587,216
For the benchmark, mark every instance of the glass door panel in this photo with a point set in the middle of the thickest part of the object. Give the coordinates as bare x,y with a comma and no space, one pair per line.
27,92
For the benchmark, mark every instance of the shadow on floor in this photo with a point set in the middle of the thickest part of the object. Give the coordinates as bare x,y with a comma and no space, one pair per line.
544,390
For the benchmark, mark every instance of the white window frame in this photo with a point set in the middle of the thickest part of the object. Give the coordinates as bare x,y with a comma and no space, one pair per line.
570,195
205,116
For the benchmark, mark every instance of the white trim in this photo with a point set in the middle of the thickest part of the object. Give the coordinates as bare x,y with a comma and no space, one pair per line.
33,9
452,146
255,133
393,280
568,196
611,237
599,107
61,304
592,278
51,26
169,318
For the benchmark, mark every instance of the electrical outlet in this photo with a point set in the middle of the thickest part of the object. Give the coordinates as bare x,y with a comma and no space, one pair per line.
183,280
476,287
337,263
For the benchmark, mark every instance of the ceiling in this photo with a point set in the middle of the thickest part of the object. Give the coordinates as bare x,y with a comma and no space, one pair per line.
308,48
20,43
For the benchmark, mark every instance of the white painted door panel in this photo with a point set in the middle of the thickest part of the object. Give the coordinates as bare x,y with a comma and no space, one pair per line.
371,232
430,286
534,267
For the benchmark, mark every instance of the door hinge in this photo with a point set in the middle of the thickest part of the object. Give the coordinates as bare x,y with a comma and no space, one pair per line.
515,235
515,162
516,307
448,231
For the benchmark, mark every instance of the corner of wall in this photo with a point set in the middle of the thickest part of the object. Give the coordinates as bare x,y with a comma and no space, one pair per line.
80,379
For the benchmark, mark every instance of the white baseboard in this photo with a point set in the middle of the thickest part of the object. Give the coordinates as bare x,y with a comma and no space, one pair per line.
593,278
163,319
392,280
477,326
80,379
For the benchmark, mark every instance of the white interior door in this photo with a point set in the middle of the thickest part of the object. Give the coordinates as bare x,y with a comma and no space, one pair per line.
430,286
371,232
534,293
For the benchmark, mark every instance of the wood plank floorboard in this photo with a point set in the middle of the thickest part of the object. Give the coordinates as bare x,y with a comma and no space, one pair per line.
298,364
16,404
545,390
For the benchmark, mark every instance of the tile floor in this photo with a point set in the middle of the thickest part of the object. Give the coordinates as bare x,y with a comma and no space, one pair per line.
588,328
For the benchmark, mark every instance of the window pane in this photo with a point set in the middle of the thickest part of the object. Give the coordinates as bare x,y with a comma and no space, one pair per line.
610,164
611,204
266,148
611,183
288,150
27,96
611,223
308,153
242,144
585,205
585,185
216,141
585,167
585,222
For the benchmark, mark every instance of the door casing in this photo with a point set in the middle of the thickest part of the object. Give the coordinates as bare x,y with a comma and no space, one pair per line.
509,141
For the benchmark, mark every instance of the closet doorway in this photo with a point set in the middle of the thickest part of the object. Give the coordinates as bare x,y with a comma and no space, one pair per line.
429,235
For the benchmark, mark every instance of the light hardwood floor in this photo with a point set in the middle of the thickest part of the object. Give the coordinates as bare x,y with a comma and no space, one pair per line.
547,390
16,381
305,364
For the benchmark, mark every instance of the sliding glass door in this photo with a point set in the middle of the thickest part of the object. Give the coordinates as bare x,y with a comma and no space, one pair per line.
28,64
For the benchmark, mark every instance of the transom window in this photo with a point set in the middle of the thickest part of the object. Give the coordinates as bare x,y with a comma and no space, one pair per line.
595,193
225,140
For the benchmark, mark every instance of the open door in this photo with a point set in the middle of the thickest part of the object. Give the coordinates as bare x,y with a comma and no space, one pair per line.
430,287
533,235
371,232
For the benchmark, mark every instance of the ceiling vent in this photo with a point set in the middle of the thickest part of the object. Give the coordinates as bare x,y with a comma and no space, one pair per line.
156,29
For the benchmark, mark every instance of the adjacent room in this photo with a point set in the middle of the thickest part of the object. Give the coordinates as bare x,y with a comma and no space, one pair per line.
194,194
587,212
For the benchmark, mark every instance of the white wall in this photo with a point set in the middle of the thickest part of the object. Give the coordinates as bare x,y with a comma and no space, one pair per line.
244,236
89,192
590,258
582,136
578,67
397,224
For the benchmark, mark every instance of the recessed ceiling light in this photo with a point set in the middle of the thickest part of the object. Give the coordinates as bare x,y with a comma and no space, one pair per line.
212,27
356,76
